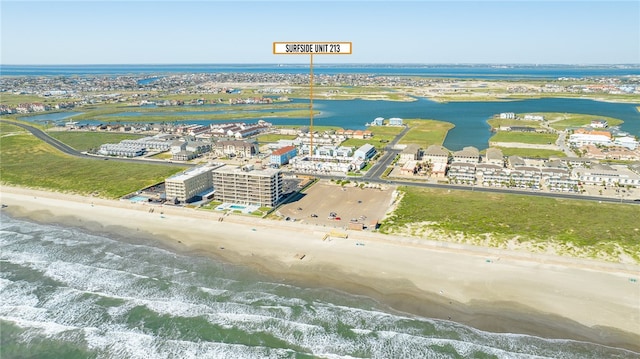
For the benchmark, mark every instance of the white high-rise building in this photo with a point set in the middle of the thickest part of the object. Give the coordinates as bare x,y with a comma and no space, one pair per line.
246,185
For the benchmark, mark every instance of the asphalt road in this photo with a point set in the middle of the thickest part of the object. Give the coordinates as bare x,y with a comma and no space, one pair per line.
390,153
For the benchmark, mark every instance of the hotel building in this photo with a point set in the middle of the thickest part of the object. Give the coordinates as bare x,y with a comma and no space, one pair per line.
246,185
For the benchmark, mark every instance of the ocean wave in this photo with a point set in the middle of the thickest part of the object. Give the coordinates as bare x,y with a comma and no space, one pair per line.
114,299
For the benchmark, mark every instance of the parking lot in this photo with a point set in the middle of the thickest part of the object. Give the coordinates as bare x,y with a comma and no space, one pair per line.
348,203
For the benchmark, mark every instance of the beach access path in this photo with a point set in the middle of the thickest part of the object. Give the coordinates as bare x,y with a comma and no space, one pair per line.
491,289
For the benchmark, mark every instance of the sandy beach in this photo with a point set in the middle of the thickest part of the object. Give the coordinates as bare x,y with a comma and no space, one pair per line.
490,289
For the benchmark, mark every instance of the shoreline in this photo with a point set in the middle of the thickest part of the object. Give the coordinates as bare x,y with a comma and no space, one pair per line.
488,289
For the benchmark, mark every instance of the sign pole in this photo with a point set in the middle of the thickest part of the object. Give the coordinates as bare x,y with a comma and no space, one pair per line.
311,107
311,48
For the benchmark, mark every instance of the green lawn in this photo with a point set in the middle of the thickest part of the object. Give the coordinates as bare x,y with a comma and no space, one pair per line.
577,222
381,136
562,121
162,156
385,132
524,137
497,122
426,132
84,141
29,162
356,143
530,152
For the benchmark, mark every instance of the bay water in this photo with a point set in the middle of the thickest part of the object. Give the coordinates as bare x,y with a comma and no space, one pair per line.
469,118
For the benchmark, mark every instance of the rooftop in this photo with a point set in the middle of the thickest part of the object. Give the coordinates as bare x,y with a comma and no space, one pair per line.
436,150
283,150
192,172
248,169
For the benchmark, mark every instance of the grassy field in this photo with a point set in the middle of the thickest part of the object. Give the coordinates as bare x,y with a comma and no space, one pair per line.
159,117
524,137
426,132
594,96
381,136
350,93
9,129
530,152
562,121
497,122
162,156
11,100
84,141
29,162
100,111
578,223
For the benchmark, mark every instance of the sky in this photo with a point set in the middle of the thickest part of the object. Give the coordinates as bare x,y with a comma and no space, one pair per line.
399,32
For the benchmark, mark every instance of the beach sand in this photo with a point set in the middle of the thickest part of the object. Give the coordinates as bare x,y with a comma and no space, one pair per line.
489,289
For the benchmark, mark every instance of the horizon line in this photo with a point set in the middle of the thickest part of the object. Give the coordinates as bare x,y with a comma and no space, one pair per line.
331,64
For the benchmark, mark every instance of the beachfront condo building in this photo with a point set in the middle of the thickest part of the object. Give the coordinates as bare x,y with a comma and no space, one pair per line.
247,185
191,185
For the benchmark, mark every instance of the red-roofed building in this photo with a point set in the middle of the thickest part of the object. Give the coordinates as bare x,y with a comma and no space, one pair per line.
282,155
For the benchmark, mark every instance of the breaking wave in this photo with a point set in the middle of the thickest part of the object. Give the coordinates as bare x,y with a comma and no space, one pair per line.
72,294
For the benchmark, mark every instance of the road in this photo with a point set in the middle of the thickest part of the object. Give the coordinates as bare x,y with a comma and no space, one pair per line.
373,175
390,153
72,152
562,145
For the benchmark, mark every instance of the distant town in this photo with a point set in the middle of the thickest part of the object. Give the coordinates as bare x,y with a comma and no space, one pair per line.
64,92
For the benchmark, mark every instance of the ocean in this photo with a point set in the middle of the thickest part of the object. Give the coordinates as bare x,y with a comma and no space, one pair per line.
441,71
67,293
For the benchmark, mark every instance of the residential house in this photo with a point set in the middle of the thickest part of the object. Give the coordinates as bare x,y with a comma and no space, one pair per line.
395,121
410,153
494,156
468,154
365,152
409,168
438,159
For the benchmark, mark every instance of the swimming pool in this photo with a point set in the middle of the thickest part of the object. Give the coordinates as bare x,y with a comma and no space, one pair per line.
136,199
237,207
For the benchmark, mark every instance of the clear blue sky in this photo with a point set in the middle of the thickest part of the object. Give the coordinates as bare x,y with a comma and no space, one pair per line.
164,32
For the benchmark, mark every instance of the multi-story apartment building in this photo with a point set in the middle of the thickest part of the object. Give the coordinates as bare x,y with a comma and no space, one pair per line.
246,185
190,185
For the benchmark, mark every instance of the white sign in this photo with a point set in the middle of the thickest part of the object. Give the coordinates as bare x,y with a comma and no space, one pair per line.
312,48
